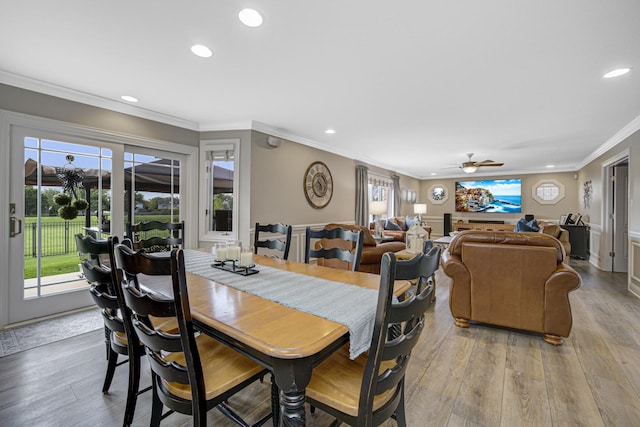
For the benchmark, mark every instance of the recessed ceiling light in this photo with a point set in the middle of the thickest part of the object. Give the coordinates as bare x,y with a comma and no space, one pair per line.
330,131
550,166
250,17
201,50
433,174
616,73
129,98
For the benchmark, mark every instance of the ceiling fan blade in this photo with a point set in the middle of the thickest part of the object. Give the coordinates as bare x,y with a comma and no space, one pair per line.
486,162
489,164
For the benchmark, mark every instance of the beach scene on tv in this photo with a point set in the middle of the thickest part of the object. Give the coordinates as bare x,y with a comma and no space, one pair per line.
492,195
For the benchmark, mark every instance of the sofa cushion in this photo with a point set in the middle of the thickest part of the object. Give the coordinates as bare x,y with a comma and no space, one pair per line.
390,224
374,255
368,238
551,229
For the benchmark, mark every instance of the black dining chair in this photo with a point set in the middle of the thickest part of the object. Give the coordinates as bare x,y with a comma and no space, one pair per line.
119,338
191,373
370,389
156,236
278,243
336,243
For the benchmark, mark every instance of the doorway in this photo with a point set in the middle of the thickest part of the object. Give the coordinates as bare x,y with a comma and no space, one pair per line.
616,218
45,169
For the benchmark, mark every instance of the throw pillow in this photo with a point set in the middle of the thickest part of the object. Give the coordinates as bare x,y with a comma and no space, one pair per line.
523,225
410,220
401,223
391,225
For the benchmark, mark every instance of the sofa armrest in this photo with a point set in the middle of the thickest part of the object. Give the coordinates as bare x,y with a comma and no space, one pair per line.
557,319
460,293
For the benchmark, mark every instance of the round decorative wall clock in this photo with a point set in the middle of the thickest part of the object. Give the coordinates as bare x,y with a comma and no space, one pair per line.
318,185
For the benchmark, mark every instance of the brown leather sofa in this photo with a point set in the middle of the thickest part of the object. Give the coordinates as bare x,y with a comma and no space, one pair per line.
559,233
545,227
371,251
398,235
515,280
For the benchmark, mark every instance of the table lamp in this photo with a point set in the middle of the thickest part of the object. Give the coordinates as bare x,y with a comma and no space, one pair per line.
419,209
378,208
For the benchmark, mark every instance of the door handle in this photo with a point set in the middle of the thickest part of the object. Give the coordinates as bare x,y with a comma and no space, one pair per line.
12,226
13,221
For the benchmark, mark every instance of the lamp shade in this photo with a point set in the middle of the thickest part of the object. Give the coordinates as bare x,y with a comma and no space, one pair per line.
420,208
378,207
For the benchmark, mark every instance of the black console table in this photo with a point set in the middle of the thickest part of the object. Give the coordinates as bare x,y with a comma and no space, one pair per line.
579,239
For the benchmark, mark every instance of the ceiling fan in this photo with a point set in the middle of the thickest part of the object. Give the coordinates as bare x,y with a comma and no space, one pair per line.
471,166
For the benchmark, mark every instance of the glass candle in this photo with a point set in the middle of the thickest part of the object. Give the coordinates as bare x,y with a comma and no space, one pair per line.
233,251
246,257
220,251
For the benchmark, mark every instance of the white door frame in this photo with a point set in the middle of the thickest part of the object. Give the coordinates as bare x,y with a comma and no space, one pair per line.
9,119
606,208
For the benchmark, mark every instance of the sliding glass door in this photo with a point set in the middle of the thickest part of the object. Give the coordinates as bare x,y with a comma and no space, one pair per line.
53,177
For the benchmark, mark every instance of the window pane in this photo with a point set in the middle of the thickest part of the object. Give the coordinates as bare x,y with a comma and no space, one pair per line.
221,190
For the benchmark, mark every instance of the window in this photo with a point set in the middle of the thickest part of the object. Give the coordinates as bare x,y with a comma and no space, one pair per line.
219,195
152,185
380,190
438,194
547,192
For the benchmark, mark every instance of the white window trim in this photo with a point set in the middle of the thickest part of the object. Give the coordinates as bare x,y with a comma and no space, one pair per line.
214,145
560,196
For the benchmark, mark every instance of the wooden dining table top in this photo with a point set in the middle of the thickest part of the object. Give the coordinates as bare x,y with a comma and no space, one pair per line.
269,327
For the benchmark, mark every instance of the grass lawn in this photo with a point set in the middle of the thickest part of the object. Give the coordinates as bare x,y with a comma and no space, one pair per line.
58,243
52,265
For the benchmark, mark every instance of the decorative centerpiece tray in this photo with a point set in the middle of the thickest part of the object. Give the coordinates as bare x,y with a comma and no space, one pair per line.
231,267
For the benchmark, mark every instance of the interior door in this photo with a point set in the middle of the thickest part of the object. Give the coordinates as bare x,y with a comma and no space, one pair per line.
620,218
44,278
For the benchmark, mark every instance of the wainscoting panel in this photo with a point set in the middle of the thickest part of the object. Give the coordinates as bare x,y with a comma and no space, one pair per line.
594,245
634,263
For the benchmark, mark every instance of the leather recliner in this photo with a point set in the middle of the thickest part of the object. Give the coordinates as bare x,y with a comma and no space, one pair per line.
515,280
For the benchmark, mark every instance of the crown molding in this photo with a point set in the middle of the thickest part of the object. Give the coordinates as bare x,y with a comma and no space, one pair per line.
93,100
121,107
632,127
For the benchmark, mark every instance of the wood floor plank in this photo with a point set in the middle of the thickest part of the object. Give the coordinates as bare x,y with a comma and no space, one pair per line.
525,394
628,359
480,394
436,388
570,397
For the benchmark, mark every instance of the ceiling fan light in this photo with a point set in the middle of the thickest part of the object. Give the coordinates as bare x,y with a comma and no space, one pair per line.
469,167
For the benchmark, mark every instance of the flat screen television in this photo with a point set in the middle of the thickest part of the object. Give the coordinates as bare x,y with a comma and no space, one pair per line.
489,195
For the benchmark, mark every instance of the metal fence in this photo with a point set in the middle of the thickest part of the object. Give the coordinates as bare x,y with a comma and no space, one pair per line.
57,238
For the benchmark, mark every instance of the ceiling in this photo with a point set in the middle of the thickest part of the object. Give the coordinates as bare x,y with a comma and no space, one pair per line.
409,86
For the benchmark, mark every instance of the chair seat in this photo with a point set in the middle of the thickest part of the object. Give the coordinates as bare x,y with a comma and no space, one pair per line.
166,324
336,382
169,325
222,367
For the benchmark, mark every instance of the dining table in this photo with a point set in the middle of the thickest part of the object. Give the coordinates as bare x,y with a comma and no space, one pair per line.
287,341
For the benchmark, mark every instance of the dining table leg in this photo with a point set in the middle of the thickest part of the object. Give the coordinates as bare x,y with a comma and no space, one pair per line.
292,377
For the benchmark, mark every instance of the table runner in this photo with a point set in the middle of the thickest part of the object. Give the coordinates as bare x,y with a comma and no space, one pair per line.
323,298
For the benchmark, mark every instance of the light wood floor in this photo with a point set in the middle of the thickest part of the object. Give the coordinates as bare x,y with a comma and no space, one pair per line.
481,376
